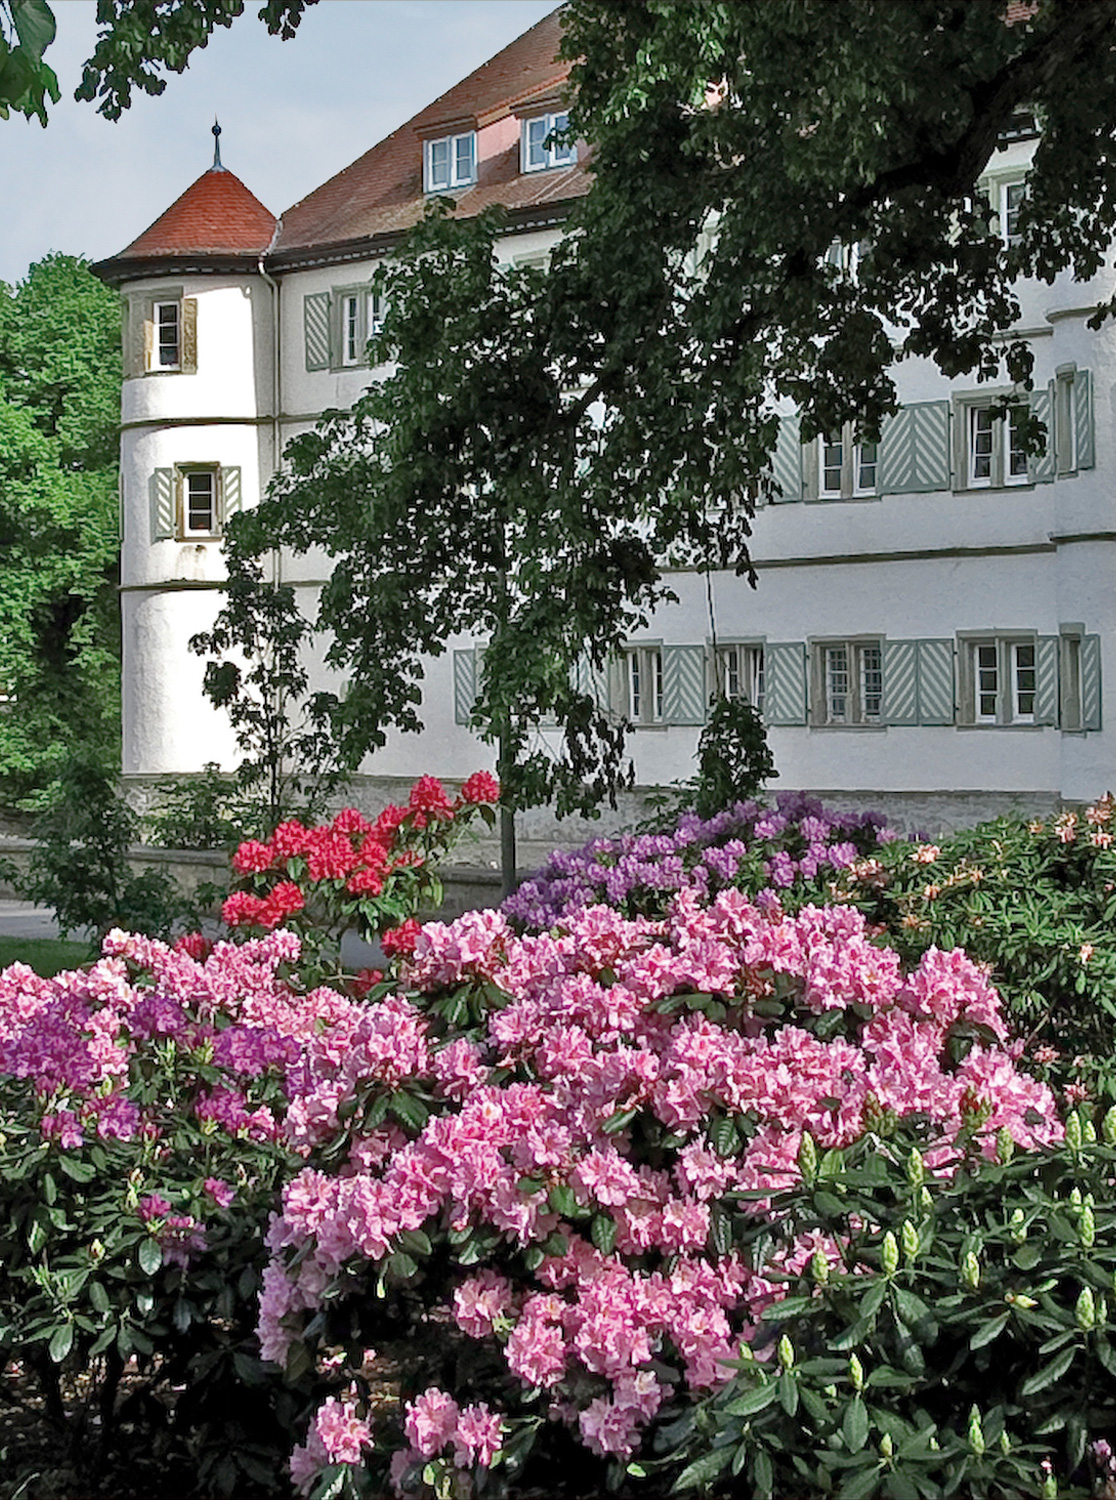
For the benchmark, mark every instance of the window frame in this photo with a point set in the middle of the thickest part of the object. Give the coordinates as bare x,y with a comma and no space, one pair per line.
1071,687
555,156
857,692
158,363
745,662
1001,404
1009,690
643,662
363,300
454,180
140,329
182,475
850,467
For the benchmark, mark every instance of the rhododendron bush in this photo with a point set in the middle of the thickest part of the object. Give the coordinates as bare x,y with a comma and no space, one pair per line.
141,1148
353,873
556,1150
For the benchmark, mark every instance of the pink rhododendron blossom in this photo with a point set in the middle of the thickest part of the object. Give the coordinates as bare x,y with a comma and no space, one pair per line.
431,1421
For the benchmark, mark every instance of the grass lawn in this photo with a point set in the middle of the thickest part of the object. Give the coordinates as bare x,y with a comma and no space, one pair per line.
45,955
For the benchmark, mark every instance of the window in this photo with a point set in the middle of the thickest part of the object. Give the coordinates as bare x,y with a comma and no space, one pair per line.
1011,196
199,497
740,673
359,316
537,154
451,162
168,336
849,682
994,451
1069,680
846,468
644,665
1003,680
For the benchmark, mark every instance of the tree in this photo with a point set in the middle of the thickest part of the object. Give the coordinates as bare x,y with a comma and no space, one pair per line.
139,40
59,616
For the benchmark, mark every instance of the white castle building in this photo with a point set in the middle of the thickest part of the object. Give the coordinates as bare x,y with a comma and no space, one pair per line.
934,612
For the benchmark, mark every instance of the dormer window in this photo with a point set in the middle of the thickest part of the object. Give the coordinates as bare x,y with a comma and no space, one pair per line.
538,155
450,162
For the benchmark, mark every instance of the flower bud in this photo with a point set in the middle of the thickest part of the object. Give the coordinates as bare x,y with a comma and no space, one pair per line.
819,1268
887,1447
1050,1486
1102,1310
976,1432
1075,1198
1019,1299
1018,1226
96,1251
1073,1132
1089,1133
909,1236
889,1254
925,1202
970,1271
786,1353
1085,1313
746,1352
1087,1228
916,1168
1108,1127
1005,1146
856,1373
808,1159
1005,1442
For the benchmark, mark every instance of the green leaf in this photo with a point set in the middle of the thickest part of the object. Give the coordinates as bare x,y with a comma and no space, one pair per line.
98,1297
854,1425
34,24
62,1342
150,1256
788,1392
989,1331
753,1401
1049,1373
602,1231
763,1473
861,1486
703,1469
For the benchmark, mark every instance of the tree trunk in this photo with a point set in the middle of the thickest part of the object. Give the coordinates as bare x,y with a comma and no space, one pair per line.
508,876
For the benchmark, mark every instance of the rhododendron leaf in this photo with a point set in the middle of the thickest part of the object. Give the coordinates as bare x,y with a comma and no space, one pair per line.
911,1308
853,1336
150,1256
408,1109
788,1392
753,1401
861,1486
415,1241
831,1206
49,1188
854,1425
1027,1257
720,1230
602,1231
724,1136
98,1297
1049,1373
103,1340
618,1120
563,1200
61,1343
1106,1354
763,1474
699,1474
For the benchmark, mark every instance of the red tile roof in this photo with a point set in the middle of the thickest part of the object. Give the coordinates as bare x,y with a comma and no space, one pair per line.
216,215
382,192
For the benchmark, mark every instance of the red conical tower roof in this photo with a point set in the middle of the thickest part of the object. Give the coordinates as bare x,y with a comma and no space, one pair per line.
216,215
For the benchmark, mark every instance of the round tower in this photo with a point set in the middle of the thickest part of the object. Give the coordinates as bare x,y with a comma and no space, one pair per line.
196,444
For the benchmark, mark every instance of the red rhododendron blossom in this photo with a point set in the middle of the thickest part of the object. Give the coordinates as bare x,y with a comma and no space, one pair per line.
290,839
350,821
400,940
428,795
481,787
365,883
195,944
242,909
252,858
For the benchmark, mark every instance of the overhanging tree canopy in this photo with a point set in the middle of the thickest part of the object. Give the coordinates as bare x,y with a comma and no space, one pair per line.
545,445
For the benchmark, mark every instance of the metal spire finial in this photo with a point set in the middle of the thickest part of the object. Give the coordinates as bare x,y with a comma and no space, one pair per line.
217,167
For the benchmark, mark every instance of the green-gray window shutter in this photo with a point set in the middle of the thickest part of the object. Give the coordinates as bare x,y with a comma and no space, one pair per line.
900,682
684,684
1090,682
787,461
1083,418
784,691
1047,650
935,682
315,322
593,682
162,505
1040,466
464,685
914,450
231,492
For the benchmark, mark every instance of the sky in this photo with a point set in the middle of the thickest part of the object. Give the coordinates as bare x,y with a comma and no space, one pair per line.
292,114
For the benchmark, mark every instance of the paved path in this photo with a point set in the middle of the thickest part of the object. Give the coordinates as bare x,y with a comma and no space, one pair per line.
22,919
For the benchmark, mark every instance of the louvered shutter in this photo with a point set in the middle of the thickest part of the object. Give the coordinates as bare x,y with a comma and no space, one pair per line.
914,450
786,463
1047,649
593,681
148,357
231,494
1083,418
189,360
316,326
162,505
1090,682
784,691
900,682
684,694
1040,466
935,682
464,685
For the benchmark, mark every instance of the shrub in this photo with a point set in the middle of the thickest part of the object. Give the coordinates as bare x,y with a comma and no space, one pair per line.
789,853
141,1109
352,874
208,811
949,1335
1034,900
540,1173
733,758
